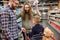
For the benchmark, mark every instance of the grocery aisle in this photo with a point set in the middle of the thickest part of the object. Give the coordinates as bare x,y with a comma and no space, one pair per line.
56,34
45,24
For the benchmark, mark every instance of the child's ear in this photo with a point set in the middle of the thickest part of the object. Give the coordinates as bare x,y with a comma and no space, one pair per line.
33,21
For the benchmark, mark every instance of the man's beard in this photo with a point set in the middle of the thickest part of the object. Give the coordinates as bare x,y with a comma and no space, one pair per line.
13,7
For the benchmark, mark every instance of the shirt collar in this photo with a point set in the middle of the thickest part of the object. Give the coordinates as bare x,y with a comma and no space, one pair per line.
8,6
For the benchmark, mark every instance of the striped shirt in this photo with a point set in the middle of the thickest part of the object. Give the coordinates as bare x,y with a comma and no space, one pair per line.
8,23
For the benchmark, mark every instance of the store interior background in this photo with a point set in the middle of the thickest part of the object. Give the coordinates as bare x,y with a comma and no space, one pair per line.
50,14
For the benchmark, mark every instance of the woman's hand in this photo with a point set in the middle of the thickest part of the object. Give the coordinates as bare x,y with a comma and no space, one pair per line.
23,29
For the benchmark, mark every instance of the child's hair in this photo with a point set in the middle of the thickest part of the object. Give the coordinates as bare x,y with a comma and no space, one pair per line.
37,18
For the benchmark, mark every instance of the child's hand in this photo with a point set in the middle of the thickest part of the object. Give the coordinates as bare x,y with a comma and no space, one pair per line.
23,29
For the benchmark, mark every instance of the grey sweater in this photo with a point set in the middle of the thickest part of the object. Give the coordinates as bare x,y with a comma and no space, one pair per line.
27,24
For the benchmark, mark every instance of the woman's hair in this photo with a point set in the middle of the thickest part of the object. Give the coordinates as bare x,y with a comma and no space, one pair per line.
29,12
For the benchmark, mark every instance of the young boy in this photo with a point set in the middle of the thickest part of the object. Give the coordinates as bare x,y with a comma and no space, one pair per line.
37,28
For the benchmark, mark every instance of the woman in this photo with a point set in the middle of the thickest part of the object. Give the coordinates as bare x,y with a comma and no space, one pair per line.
26,16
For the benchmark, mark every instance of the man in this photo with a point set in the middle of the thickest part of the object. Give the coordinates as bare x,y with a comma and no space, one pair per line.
8,21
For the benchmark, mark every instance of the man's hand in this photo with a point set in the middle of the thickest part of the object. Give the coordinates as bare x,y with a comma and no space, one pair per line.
23,29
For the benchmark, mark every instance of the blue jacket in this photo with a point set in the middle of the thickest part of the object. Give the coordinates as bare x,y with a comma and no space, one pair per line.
37,29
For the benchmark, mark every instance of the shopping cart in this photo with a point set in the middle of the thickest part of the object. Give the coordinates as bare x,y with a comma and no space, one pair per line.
37,36
40,36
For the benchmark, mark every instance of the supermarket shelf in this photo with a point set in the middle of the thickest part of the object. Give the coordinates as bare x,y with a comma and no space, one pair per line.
54,20
54,16
55,11
54,28
56,23
48,4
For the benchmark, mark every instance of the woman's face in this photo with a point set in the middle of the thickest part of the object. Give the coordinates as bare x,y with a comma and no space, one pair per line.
27,8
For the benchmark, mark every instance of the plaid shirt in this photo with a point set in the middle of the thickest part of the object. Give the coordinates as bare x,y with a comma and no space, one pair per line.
8,23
